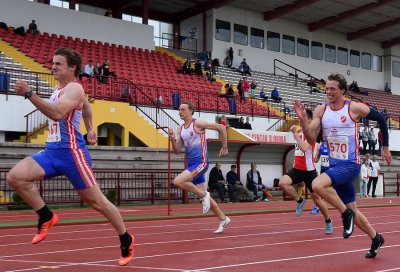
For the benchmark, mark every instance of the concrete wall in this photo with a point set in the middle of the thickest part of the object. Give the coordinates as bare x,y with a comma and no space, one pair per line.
76,24
262,59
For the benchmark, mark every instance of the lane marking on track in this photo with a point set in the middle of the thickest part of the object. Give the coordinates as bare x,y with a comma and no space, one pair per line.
93,263
288,259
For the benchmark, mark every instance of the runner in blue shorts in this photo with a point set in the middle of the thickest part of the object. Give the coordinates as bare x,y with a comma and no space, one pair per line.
193,135
339,119
65,152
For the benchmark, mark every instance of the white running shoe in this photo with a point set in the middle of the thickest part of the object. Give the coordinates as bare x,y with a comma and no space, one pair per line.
222,225
205,201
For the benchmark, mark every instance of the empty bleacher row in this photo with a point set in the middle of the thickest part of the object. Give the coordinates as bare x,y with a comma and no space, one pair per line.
288,88
15,71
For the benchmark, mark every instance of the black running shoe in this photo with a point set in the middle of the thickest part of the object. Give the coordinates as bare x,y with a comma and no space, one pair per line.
376,244
348,223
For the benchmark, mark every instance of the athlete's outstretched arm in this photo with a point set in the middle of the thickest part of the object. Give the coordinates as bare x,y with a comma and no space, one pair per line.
72,97
88,120
176,140
303,145
311,130
203,125
360,110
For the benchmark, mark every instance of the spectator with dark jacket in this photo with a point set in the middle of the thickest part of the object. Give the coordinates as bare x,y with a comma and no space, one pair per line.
217,183
197,68
233,180
254,182
247,125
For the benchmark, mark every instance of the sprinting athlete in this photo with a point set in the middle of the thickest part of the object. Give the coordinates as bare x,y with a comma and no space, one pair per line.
322,152
304,171
193,135
339,118
66,152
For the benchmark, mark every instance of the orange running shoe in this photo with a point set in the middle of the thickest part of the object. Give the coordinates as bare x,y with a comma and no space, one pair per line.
44,229
127,253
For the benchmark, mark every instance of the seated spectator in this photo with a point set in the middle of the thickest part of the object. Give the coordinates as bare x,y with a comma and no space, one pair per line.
197,68
108,13
387,89
33,29
254,183
247,125
217,182
88,71
208,65
241,123
209,77
186,68
227,62
223,121
253,86
19,31
97,71
3,26
233,180
275,95
106,71
354,87
262,95
244,68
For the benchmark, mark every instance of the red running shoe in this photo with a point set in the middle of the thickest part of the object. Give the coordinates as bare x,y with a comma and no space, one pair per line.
127,253
44,229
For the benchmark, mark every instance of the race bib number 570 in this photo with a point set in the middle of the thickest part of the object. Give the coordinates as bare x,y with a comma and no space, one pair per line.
339,148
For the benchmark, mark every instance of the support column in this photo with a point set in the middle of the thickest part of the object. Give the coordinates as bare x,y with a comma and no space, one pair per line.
72,4
176,29
125,137
145,12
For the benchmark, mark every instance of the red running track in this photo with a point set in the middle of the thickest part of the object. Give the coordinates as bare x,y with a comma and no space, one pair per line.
262,242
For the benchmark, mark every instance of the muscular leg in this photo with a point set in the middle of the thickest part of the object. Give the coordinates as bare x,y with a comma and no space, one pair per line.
184,182
322,186
95,198
285,183
214,206
21,178
361,221
321,205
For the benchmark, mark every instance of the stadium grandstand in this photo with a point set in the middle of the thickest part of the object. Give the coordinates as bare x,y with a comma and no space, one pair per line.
290,45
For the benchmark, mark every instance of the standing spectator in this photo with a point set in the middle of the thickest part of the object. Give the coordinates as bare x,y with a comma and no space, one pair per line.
253,87
223,121
230,92
88,71
241,123
239,87
33,29
254,183
208,65
364,138
371,140
380,142
387,89
375,167
245,88
275,95
230,55
365,173
197,68
233,180
247,125
217,182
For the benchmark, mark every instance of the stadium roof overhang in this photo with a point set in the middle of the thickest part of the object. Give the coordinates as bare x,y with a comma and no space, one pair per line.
376,20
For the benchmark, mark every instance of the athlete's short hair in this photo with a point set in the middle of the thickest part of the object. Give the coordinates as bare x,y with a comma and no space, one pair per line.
190,105
340,79
73,58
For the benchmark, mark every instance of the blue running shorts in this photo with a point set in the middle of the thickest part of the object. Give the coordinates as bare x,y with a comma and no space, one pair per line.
342,176
73,163
198,169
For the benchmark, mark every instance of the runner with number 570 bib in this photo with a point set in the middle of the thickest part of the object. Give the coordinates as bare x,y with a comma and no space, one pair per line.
339,118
